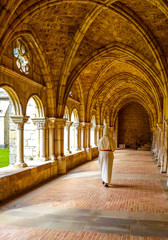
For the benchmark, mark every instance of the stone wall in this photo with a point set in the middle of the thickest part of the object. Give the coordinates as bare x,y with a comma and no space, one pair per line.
17,182
133,126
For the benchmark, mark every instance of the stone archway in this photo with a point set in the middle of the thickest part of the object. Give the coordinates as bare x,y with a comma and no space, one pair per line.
11,110
34,141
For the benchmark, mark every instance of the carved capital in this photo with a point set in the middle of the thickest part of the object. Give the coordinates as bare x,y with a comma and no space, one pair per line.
51,122
68,124
60,122
88,125
19,120
40,123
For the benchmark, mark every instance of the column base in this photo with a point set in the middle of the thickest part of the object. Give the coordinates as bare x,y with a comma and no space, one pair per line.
20,165
88,154
61,161
163,168
158,164
68,152
52,157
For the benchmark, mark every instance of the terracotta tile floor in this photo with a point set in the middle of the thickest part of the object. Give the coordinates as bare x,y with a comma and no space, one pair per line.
136,188
23,233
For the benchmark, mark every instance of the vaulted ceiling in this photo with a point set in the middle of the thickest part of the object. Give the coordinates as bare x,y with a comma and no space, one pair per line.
117,51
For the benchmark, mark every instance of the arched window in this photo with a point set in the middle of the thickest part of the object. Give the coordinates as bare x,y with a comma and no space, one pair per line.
22,56
93,121
32,134
9,106
73,130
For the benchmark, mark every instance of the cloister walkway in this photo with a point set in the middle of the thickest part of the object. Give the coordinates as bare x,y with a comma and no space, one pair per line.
77,206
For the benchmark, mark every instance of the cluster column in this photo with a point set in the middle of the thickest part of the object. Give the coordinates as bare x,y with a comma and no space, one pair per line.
20,121
98,133
101,131
59,144
83,136
160,143
87,134
111,132
51,126
165,148
80,127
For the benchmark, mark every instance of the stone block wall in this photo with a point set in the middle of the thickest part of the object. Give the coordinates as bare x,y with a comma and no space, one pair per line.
18,182
133,126
73,160
94,152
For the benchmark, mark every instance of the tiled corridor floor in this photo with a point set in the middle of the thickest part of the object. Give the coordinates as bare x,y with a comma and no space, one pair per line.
77,206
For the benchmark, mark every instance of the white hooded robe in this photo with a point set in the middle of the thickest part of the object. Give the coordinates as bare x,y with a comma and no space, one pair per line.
106,157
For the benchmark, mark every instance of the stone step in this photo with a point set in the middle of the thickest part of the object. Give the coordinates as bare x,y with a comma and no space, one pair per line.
144,148
147,145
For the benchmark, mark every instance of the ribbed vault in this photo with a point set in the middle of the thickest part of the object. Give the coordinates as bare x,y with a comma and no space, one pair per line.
113,52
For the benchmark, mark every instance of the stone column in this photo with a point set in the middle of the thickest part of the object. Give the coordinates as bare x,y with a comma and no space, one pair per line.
101,131
163,168
154,129
157,143
68,125
95,136
20,121
111,131
83,136
88,128
80,136
160,143
88,147
98,132
51,126
41,127
60,124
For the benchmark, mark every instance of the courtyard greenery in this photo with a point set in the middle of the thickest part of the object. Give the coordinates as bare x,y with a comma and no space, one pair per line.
4,157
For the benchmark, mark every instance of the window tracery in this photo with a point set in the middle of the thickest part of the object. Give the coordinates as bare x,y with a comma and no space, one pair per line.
22,57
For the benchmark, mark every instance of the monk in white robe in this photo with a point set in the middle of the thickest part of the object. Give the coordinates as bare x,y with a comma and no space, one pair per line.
106,147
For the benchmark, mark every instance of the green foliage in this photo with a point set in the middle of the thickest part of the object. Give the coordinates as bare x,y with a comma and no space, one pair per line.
4,157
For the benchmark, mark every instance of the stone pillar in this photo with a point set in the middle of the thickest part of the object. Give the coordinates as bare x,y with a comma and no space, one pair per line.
88,128
157,143
41,127
60,124
95,135
51,126
163,168
80,127
101,131
68,125
83,136
111,131
98,133
76,134
20,121
88,147
154,129
160,144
